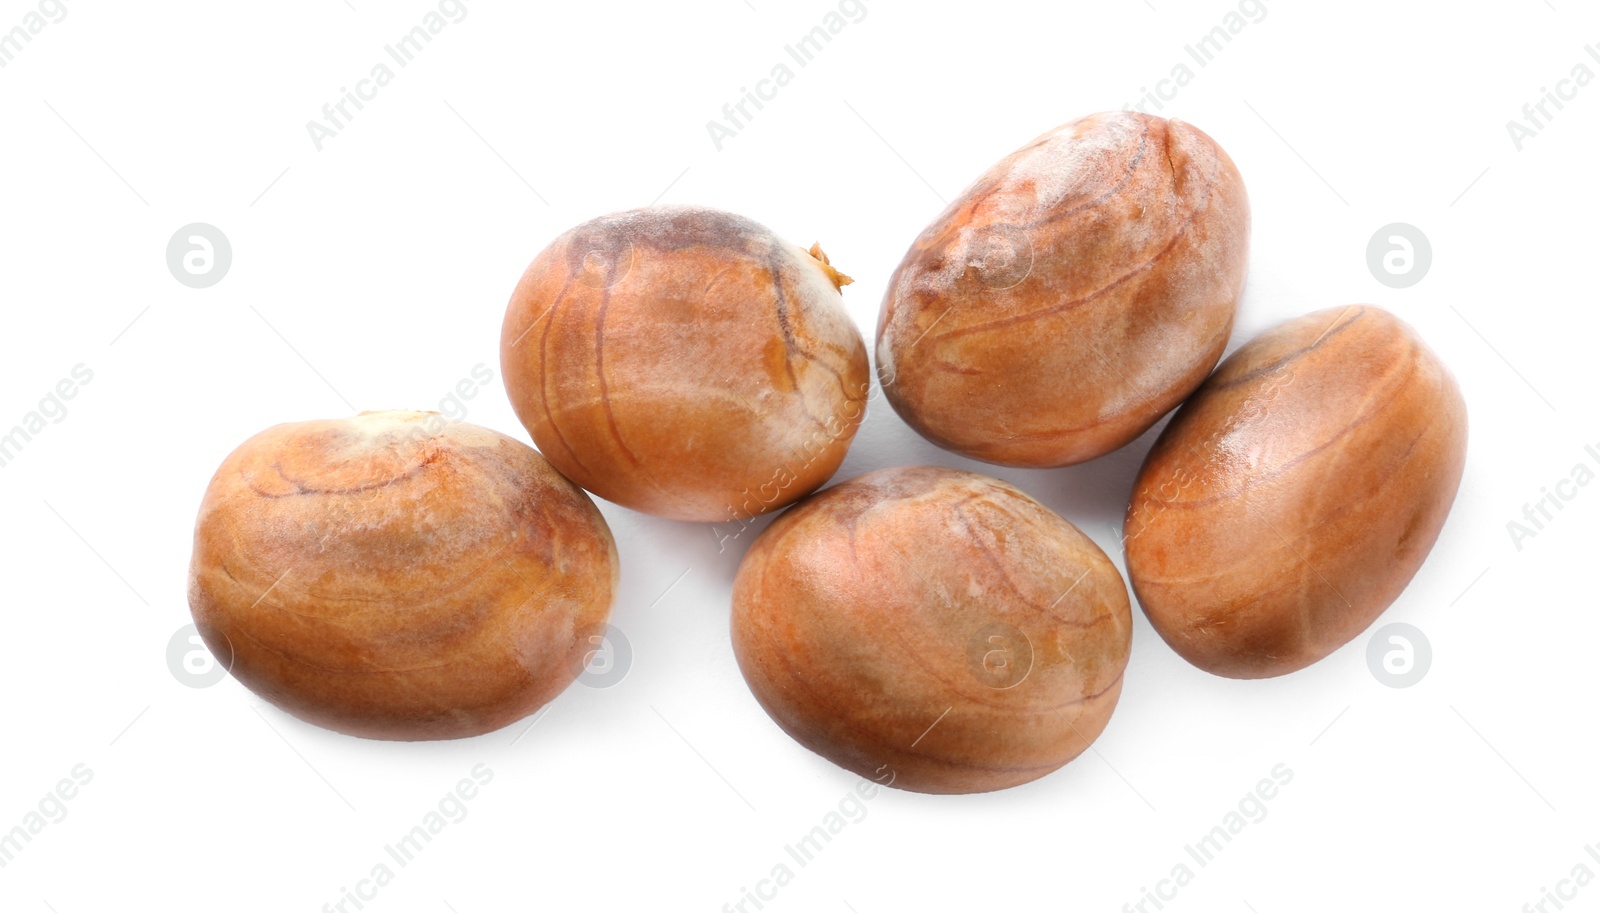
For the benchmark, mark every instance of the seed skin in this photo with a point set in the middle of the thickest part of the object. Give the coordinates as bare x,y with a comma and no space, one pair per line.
1294,496
865,621
1073,295
685,362
397,576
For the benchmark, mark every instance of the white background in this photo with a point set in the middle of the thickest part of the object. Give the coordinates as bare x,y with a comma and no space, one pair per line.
374,273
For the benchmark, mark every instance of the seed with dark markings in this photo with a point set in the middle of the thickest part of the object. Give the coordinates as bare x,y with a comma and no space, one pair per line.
395,576
934,625
1073,295
685,362
1293,497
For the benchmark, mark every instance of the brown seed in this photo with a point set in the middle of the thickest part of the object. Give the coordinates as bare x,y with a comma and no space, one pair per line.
932,627
685,362
1073,295
395,576
1292,498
